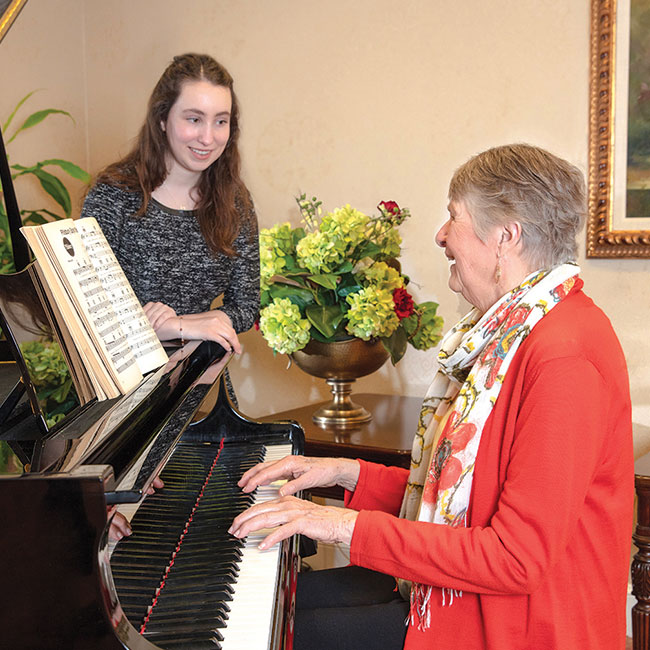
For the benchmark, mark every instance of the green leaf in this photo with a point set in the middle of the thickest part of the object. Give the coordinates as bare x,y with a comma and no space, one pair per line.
5,126
69,168
315,334
24,170
368,249
396,344
298,296
54,216
327,280
346,291
298,234
346,267
37,118
55,188
325,318
4,220
33,218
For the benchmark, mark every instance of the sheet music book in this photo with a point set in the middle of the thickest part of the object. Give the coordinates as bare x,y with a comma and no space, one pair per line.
105,333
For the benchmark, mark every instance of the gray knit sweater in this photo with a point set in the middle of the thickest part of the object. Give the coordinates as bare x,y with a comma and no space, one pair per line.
166,259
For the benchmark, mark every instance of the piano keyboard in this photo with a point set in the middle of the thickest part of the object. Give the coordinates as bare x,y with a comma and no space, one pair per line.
182,580
255,588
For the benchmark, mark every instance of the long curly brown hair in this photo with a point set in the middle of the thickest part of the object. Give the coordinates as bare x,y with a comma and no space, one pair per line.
220,190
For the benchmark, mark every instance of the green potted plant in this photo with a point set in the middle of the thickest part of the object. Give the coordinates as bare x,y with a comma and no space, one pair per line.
42,172
51,183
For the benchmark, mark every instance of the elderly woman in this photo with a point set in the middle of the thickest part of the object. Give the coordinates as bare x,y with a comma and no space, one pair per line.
512,529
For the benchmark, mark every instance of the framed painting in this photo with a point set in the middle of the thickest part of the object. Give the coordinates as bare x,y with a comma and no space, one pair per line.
9,9
618,222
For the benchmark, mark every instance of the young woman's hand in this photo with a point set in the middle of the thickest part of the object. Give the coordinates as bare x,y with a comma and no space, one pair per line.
158,313
213,325
119,525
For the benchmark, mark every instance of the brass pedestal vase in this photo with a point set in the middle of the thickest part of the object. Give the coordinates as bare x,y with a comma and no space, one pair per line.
340,364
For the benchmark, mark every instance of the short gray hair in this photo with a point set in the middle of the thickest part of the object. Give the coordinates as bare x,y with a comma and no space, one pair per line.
523,183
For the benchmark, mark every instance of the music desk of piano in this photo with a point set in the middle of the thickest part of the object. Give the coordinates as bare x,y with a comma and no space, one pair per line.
386,439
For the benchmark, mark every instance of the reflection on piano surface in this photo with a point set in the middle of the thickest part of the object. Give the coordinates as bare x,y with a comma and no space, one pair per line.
180,581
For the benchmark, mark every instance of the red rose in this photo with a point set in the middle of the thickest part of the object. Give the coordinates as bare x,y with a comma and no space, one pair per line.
403,303
389,206
256,324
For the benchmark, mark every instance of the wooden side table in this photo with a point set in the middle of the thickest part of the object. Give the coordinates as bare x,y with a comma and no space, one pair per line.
641,561
386,439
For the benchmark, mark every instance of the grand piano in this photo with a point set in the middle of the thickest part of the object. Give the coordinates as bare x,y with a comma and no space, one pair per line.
179,581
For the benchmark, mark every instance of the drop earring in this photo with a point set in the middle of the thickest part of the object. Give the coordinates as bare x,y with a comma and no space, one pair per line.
497,272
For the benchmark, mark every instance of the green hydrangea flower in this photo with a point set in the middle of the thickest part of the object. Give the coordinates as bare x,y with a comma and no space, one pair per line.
318,252
383,277
276,244
391,243
428,335
283,327
371,313
424,328
339,233
346,226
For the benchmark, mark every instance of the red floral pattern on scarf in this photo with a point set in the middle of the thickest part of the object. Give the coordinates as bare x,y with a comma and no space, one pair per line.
497,350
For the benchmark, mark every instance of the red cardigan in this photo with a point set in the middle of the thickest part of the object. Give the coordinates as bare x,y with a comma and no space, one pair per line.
544,560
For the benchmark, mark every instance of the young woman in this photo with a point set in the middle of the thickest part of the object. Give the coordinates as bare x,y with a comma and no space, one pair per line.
176,212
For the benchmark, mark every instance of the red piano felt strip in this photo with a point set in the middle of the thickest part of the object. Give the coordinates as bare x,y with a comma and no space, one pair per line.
161,586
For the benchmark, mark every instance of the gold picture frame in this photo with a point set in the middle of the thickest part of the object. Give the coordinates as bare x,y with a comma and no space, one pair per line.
609,235
9,9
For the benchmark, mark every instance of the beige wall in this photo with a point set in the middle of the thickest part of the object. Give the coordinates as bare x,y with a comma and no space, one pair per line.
355,102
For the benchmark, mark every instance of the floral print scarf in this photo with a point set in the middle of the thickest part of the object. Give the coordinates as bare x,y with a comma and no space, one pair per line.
473,360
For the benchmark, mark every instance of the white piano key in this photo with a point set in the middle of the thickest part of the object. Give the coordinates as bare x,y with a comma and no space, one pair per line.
251,610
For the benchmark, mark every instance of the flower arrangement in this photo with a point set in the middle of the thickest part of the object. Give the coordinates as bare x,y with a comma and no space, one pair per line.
338,277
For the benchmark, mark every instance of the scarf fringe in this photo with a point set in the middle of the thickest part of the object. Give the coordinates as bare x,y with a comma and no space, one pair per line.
420,611
420,607
452,593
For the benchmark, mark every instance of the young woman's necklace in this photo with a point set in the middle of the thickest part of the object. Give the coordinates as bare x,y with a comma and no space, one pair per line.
175,203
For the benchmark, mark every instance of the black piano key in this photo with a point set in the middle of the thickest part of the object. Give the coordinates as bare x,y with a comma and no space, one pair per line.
135,573
192,624
210,616
173,643
208,587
